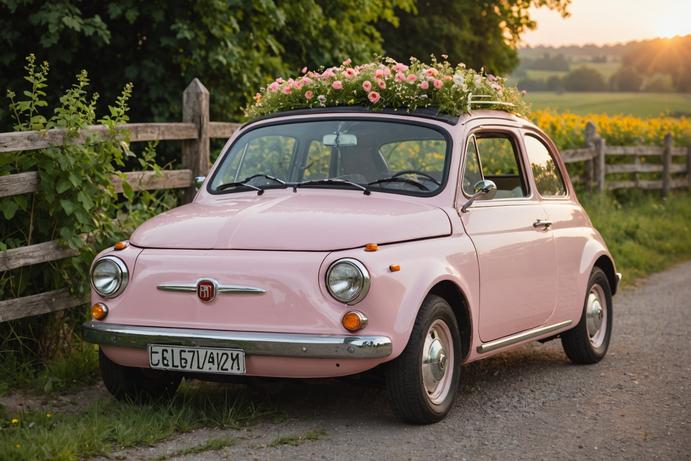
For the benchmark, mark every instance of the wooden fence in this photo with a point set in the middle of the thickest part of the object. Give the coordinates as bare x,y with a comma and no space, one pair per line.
196,130
596,152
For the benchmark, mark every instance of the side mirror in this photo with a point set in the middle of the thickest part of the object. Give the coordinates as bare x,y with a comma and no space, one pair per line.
198,181
483,190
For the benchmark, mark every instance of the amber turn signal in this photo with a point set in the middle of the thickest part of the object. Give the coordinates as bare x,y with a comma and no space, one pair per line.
99,311
371,247
394,268
354,321
121,245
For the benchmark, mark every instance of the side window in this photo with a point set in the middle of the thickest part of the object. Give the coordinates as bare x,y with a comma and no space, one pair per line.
547,175
500,163
473,170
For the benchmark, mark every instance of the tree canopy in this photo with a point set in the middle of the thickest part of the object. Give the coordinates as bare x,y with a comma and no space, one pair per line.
237,46
478,33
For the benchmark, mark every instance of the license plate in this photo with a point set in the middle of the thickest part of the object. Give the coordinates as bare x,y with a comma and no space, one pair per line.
197,359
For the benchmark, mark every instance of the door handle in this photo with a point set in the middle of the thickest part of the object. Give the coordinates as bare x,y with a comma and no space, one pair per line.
543,224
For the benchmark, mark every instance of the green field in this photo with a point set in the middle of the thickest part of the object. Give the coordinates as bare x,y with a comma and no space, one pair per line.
636,104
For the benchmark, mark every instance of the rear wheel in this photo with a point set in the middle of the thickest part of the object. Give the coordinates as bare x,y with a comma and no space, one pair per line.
423,381
137,384
589,340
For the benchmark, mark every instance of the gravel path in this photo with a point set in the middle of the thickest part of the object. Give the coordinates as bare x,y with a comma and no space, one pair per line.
530,403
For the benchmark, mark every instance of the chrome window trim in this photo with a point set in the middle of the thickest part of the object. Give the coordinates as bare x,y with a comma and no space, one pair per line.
253,343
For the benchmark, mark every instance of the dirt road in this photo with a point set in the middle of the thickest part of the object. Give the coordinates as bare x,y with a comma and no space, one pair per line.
527,404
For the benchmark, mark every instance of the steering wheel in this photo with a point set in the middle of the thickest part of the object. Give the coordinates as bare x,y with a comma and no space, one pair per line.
419,173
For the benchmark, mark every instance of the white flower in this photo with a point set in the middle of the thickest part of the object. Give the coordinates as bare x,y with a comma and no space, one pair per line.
459,81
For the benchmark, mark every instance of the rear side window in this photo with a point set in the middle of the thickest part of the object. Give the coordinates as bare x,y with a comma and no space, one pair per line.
548,178
499,161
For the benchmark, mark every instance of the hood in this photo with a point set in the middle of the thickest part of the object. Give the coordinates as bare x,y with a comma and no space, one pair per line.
283,220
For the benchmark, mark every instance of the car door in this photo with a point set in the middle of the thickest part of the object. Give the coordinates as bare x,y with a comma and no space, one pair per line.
566,215
516,254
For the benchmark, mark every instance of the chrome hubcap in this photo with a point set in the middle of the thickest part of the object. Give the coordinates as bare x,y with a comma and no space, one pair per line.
596,315
437,361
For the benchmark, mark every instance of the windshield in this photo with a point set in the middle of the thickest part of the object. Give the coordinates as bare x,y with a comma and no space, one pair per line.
395,157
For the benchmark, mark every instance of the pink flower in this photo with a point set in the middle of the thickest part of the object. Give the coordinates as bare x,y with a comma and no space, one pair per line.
400,77
438,84
400,67
412,78
347,62
448,77
309,95
431,72
297,85
349,73
303,70
373,97
337,85
367,85
287,89
424,84
381,83
273,87
328,73
306,80
258,97
379,73
280,80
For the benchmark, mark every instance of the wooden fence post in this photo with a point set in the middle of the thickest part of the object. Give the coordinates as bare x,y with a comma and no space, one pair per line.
667,165
195,153
589,166
600,164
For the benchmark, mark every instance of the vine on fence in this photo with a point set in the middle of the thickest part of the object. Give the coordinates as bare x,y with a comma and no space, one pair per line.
76,201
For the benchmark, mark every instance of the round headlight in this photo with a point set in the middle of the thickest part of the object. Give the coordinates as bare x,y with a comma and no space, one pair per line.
109,276
348,280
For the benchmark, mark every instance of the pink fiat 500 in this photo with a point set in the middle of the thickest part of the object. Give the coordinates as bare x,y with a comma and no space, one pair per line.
329,242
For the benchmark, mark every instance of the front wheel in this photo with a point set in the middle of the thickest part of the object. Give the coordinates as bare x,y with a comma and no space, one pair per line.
589,340
423,381
137,384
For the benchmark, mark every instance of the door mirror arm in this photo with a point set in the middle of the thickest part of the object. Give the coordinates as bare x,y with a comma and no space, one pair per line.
483,190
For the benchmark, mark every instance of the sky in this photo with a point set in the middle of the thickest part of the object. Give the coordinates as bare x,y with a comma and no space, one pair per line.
610,21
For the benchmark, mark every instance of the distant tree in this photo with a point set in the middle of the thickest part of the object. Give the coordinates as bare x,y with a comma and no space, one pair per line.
532,84
234,47
584,79
659,84
626,79
551,62
555,83
663,56
477,33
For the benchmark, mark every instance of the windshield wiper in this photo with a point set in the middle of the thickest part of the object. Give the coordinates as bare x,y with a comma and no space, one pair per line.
418,184
244,183
331,181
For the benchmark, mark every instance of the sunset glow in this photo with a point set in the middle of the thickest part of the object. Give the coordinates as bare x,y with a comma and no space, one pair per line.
612,21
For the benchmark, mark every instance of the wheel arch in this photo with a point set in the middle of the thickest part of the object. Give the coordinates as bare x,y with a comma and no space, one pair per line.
453,294
605,263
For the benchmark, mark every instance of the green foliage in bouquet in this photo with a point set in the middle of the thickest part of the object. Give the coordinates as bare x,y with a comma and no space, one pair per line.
387,84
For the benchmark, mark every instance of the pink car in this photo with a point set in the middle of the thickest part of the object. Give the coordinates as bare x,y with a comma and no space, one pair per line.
329,242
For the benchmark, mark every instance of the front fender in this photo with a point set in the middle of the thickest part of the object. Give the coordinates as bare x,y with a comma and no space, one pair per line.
395,297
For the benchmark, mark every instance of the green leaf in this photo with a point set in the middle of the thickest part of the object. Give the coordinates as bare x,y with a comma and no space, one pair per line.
127,190
9,208
67,206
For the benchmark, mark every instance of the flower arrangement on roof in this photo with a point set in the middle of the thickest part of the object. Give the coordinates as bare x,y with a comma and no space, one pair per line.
387,84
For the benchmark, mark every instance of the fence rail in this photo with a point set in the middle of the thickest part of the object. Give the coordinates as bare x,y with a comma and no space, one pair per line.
196,130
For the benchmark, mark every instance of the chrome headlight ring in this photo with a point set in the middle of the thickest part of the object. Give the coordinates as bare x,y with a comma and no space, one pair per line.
353,278
109,276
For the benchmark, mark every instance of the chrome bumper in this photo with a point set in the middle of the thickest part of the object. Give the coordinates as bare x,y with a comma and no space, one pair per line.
272,344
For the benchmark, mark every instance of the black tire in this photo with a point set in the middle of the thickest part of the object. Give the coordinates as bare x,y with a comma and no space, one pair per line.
405,384
577,342
137,384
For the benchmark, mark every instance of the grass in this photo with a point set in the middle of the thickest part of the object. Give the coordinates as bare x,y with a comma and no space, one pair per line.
295,440
644,233
205,447
613,103
108,425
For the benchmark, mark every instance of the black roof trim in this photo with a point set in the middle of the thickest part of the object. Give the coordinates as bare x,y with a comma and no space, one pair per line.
428,113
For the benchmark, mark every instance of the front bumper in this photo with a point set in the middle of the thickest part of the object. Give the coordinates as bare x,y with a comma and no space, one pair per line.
253,343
